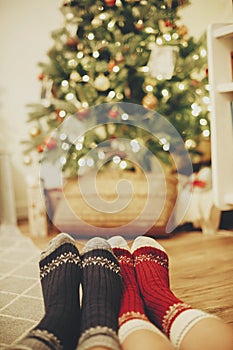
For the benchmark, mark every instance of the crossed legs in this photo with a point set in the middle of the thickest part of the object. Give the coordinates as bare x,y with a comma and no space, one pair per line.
185,327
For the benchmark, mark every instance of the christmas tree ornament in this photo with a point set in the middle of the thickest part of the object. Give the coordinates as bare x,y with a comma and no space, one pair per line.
126,48
27,160
111,65
96,22
150,81
34,132
59,120
113,113
111,128
100,131
149,101
164,26
49,143
80,46
110,3
74,155
41,76
72,43
72,63
139,25
162,61
82,113
195,82
40,148
119,57
102,83
127,92
198,75
168,23
75,76
182,30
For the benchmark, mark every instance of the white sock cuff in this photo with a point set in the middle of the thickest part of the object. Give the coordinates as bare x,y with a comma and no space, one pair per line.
136,325
184,322
143,241
55,243
96,243
118,242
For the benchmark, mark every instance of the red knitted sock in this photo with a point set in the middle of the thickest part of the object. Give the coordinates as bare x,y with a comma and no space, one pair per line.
151,264
132,314
166,311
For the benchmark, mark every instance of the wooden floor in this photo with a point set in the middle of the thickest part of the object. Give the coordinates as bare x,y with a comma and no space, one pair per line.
201,269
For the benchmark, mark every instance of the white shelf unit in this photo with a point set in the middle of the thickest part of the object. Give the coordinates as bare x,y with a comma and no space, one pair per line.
220,48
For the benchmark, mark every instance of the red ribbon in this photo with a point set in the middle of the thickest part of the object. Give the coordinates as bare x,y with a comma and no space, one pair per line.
198,183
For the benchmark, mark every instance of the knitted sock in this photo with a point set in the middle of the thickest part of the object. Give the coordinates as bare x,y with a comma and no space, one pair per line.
101,284
132,315
170,314
60,275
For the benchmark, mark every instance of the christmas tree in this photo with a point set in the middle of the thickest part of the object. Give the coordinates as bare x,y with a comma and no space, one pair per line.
120,51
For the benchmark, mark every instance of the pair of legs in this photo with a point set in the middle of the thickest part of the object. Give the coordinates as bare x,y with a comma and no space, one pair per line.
129,287
70,323
146,293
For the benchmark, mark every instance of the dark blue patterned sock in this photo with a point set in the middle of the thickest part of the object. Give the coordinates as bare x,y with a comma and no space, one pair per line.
60,273
101,283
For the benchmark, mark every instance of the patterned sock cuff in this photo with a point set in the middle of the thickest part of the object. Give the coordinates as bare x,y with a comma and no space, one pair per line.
62,255
38,339
136,325
56,242
184,322
99,336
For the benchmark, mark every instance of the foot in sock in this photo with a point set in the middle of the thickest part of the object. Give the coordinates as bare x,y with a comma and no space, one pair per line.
101,284
132,315
165,310
60,273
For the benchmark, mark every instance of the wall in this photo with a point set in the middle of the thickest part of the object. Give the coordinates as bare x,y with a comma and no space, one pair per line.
25,29
200,14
